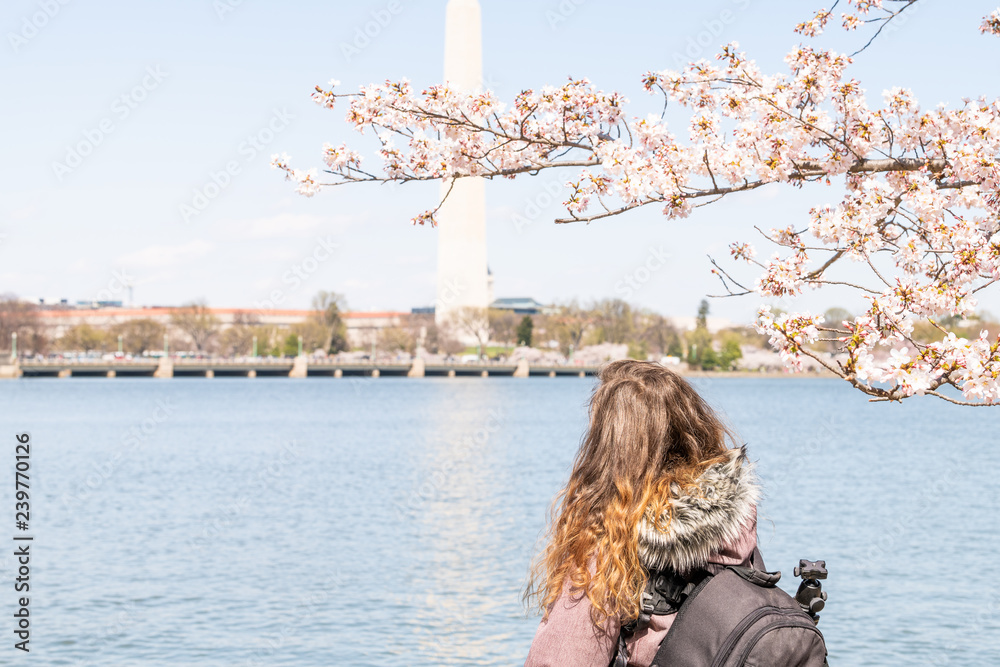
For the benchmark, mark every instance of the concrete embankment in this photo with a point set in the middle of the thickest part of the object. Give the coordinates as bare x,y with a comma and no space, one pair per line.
302,367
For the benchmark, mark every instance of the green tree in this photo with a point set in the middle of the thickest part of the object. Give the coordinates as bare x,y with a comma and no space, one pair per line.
237,339
709,358
290,346
699,344
85,338
269,342
703,314
700,351
525,330
731,353
139,335
313,334
637,350
328,307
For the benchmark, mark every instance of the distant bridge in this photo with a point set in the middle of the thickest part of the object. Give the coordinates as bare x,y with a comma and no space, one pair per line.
270,367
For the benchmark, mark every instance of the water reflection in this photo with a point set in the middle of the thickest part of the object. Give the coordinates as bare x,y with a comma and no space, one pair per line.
459,521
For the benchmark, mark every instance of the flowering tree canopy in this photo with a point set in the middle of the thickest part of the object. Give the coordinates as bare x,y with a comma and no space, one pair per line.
920,213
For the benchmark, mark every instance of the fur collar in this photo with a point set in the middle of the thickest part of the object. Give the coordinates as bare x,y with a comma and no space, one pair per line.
706,518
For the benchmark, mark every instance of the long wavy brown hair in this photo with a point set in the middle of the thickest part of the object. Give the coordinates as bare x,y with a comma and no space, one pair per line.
648,429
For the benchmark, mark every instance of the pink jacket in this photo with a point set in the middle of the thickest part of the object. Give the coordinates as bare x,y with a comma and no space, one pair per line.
726,507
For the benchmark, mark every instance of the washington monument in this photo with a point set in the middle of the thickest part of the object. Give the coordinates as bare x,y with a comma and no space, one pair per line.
462,274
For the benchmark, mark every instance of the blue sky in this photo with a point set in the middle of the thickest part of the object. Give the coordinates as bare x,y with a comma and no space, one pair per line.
162,96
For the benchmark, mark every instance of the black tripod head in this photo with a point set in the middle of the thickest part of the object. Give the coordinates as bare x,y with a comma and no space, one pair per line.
811,596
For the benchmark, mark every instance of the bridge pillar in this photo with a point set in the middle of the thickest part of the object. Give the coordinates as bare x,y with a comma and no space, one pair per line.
522,369
484,374
338,373
582,374
552,374
112,374
165,369
251,373
10,371
65,373
417,369
210,373
451,372
375,373
300,368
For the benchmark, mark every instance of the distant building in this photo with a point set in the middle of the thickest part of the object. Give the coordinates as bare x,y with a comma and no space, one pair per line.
48,302
521,305
100,304
361,326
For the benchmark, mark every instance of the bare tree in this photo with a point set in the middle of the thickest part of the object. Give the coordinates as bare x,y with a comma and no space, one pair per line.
397,338
614,320
439,340
246,318
237,340
197,321
658,335
474,322
20,317
503,324
570,325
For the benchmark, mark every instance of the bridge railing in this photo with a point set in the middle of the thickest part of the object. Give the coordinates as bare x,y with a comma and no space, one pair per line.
313,362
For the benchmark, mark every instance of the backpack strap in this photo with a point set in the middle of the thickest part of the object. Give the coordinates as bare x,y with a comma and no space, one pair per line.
755,576
756,573
665,592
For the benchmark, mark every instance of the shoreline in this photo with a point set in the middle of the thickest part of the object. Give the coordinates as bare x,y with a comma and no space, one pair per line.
757,374
302,367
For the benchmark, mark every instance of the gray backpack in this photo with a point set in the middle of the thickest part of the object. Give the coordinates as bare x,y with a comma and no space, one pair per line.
737,617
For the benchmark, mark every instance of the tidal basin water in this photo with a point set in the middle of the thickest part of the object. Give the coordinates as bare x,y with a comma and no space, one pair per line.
391,521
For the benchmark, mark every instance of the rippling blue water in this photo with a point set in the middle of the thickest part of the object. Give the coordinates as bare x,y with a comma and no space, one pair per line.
391,521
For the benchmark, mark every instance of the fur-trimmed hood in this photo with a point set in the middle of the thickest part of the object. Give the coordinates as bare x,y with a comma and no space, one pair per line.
708,516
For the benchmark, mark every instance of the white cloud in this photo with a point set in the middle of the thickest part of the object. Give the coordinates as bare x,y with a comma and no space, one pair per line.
24,213
285,225
166,255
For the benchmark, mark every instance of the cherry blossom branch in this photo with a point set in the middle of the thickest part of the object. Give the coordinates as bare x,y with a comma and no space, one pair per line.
921,187
884,22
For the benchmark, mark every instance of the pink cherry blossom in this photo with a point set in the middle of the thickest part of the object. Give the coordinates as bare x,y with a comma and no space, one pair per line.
920,210
991,23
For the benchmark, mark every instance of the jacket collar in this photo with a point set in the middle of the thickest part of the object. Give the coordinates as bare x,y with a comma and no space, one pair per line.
706,516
